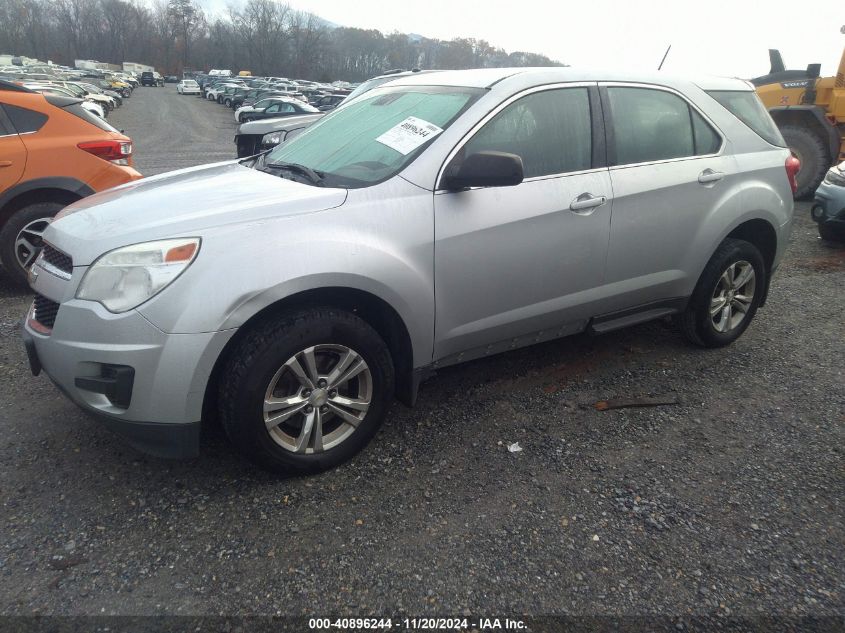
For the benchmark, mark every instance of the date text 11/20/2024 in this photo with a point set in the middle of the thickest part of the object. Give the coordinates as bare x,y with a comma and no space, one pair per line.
422,624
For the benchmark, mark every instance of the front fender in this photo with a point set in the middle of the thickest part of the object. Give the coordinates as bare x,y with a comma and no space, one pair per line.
378,242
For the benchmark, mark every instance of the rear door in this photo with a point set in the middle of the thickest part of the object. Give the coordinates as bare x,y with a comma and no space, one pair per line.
669,168
12,153
517,264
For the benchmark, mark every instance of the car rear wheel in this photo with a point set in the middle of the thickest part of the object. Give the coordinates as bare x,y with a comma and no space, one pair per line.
727,295
306,391
21,238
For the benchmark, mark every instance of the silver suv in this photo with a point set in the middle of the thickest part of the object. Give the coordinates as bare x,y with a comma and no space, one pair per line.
436,219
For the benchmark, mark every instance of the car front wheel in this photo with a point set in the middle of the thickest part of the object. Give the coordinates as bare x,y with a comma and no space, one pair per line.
21,238
306,391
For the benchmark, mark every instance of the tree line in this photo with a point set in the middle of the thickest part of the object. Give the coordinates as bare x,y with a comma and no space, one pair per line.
264,36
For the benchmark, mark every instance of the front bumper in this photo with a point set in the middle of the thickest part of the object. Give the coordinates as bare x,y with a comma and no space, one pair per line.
829,206
146,384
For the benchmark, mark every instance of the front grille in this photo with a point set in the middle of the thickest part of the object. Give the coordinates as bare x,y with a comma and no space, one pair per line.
45,311
58,259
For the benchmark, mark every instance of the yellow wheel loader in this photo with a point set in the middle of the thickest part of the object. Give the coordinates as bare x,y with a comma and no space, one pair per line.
810,112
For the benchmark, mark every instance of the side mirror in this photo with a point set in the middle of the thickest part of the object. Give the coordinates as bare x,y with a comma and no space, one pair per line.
483,169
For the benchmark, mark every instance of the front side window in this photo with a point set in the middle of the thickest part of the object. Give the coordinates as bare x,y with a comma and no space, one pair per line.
651,125
377,135
549,130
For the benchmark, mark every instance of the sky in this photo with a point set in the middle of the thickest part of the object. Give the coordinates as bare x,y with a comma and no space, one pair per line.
714,37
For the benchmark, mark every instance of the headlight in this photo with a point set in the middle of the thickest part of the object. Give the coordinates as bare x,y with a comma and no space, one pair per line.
273,138
126,277
835,177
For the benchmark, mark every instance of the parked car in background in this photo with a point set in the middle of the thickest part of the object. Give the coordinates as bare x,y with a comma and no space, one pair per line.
148,78
49,89
274,107
122,87
829,204
429,222
214,92
225,96
328,102
188,87
172,79
53,152
118,98
258,136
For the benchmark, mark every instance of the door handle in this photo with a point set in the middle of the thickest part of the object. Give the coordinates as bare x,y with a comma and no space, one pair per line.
708,175
586,203
5,163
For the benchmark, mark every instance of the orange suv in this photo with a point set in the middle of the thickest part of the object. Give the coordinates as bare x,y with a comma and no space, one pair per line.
52,153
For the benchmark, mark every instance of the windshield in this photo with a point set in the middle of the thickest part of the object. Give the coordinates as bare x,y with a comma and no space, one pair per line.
377,135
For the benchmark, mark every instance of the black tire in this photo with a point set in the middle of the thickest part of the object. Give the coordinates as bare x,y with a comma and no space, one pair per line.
219,99
257,357
227,103
696,323
246,119
9,234
814,157
829,234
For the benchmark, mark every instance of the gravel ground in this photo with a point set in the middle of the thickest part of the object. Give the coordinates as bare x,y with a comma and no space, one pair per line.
729,503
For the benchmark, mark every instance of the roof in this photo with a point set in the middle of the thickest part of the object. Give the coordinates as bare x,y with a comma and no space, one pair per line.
487,77
12,87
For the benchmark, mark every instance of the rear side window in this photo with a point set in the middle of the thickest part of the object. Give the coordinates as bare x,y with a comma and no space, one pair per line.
549,130
747,107
651,125
25,120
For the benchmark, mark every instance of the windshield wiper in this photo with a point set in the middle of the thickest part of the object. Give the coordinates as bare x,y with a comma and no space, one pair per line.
316,177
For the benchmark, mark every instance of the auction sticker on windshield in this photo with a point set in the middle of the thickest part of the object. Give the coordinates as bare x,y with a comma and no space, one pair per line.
408,135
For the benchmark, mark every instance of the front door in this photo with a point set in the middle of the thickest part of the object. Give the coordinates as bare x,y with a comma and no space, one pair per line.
516,264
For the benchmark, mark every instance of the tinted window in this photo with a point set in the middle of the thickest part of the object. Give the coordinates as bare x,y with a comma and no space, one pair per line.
650,125
25,120
549,130
707,141
747,107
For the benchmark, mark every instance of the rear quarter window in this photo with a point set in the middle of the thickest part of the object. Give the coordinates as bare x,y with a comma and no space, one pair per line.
746,106
25,121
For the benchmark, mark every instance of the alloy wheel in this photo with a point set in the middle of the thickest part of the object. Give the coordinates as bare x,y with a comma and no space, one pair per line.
733,295
29,242
318,398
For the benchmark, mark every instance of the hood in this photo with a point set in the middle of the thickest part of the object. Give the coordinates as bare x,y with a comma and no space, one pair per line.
272,125
181,204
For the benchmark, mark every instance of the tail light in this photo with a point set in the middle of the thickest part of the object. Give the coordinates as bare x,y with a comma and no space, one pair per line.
793,166
117,152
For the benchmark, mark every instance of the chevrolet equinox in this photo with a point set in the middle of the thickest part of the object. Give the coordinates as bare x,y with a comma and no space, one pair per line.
436,219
